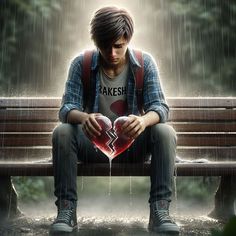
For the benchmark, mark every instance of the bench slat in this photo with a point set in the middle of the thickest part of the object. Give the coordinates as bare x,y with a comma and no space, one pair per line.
204,127
206,102
34,102
25,153
184,139
202,115
178,126
43,115
28,127
203,139
187,169
175,115
216,153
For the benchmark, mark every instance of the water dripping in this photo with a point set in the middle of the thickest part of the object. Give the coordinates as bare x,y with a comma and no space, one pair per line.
130,191
175,190
110,164
82,183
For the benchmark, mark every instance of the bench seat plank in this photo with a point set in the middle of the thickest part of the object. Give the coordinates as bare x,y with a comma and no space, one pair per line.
30,102
204,126
186,169
179,126
213,153
43,115
28,127
202,115
228,102
207,102
184,139
47,115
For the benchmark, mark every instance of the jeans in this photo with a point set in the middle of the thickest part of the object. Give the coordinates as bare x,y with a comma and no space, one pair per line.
70,145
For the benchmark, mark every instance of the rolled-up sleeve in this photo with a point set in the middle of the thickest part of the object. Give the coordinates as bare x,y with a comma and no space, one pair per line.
153,95
73,94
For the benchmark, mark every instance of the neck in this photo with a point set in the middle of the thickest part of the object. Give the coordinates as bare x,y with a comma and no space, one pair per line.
114,70
107,66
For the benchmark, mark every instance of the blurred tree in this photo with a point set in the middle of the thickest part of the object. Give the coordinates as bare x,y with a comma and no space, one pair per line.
203,37
26,36
193,39
30,188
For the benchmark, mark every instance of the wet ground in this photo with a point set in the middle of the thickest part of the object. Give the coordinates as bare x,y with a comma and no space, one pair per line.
107,227
108,218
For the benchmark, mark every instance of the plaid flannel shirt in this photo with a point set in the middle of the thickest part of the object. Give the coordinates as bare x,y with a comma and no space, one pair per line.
153,96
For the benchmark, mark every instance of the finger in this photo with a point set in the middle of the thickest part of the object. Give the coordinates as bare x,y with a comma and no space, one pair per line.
90,128
98,114
130,127
134,131
86,132
136,134
126,124
95,124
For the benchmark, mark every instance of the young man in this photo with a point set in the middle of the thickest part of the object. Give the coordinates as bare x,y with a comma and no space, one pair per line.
113,69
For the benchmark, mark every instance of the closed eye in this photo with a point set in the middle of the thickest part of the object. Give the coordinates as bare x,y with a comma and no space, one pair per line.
118,45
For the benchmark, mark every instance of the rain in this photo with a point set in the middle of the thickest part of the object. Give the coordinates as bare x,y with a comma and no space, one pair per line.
193,43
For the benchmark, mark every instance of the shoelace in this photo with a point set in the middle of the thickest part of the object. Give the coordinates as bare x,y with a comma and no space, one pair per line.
162,216
64,215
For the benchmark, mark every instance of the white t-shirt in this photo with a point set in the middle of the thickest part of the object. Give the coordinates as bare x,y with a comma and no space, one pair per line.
113,94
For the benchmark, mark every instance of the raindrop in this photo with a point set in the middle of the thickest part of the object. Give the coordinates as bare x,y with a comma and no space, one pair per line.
130,191
82,183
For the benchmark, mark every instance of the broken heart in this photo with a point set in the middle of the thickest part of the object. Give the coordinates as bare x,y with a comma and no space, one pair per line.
111,141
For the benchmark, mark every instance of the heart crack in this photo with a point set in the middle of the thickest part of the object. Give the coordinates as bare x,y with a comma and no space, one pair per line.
112,141
113,137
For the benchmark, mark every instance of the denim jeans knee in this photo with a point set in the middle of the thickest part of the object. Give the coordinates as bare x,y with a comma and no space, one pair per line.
163,131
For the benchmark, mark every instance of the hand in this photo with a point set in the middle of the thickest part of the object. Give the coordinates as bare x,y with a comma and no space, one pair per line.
90,126
134,126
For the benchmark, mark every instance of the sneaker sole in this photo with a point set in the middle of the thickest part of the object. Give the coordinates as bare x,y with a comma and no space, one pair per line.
61,227
167,228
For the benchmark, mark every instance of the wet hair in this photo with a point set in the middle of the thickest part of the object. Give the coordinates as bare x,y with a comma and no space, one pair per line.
109,24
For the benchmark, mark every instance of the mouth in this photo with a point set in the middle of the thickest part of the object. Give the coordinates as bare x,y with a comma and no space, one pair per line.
112,59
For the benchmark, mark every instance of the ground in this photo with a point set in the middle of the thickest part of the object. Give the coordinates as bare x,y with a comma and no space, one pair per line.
107,227
106,217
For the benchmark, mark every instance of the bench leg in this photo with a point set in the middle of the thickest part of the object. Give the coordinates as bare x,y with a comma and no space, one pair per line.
8,199
224,199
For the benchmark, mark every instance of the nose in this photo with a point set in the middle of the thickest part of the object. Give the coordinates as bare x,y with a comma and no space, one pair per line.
112,51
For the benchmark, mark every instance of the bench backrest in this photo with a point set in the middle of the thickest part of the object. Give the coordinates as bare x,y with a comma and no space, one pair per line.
206,127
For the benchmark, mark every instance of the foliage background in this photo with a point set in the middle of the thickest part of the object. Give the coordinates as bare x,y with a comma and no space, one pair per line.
192,41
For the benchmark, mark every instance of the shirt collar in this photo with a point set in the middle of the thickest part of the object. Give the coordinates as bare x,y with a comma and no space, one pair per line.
133,60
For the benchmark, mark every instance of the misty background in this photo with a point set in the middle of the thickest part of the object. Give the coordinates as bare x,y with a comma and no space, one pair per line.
192,41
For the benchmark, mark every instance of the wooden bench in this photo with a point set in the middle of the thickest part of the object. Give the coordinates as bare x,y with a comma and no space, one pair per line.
206,128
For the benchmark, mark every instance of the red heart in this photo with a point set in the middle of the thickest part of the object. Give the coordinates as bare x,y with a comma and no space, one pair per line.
119,107
111,141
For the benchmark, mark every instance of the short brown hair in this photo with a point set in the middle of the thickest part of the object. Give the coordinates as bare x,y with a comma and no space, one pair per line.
109,24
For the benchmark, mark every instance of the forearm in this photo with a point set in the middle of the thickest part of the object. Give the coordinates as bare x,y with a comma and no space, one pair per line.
76,117
151,118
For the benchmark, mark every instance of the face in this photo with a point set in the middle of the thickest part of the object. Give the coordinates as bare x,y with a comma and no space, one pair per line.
115,54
